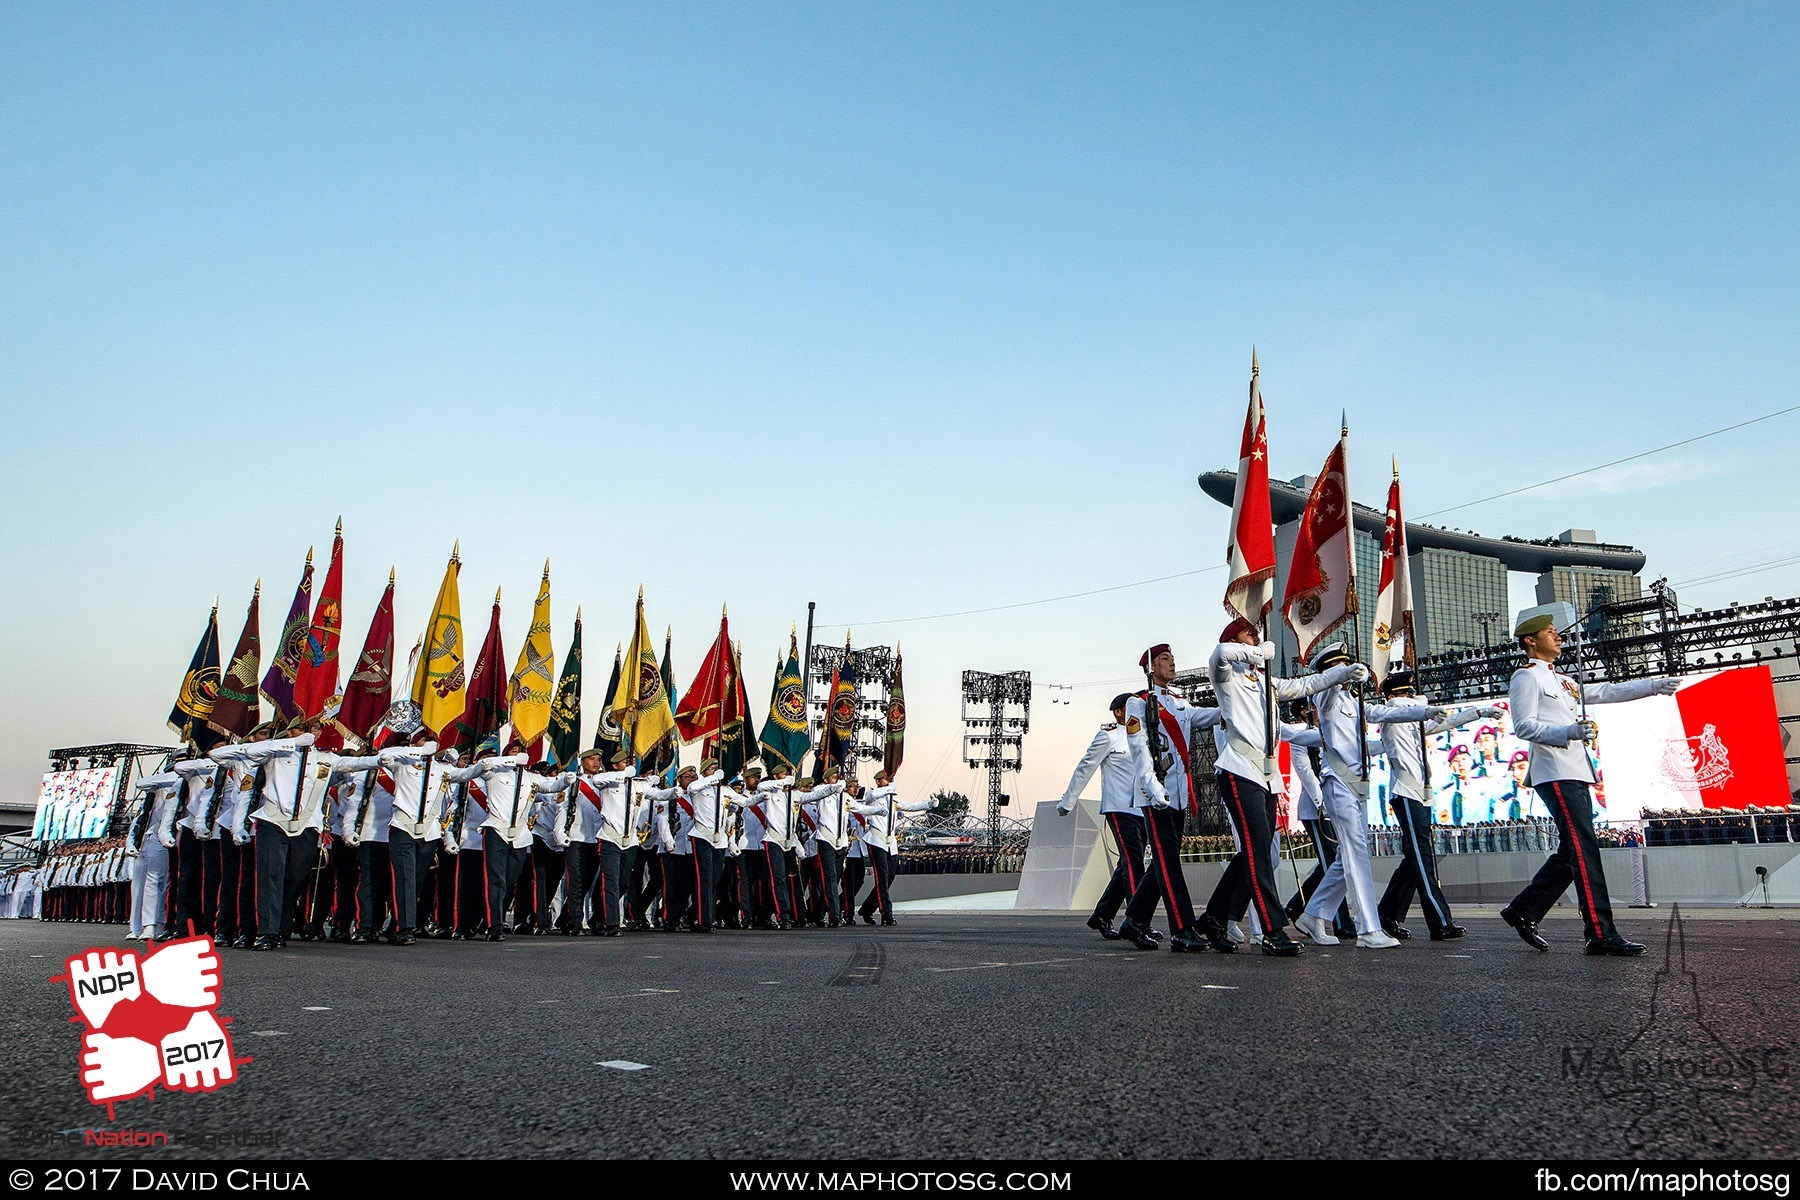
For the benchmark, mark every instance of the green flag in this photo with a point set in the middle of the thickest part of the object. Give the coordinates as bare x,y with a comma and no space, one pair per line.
784,735
565,710
609,736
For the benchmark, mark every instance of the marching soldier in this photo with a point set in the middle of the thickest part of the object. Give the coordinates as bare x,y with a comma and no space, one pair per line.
1548,710
196,871
506,831
882,806
1123,793
1405,750
826,809
417,775
295,778
148,847
1238,670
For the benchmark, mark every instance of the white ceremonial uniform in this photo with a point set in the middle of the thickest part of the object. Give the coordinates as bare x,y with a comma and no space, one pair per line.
150,857
414,799
289,801
1235,672
508,803
198,776
1127,782
1402,739
1181,724
1546,704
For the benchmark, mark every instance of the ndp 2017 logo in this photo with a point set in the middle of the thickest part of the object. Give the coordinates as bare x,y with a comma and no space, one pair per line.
150,1020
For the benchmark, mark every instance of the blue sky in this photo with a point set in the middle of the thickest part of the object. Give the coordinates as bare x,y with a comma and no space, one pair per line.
904,309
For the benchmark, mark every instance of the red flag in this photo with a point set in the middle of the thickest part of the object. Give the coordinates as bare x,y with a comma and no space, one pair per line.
315,682
1250,592
1393,634
1321,582
278,681
370,690
1731,752
484,709
702,711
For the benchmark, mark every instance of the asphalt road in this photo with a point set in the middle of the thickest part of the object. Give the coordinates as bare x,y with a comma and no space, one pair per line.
958,1036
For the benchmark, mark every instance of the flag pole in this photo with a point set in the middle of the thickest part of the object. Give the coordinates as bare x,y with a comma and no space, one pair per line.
1353,606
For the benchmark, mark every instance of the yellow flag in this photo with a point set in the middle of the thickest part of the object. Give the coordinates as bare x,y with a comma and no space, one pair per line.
641,703
438,683
532,688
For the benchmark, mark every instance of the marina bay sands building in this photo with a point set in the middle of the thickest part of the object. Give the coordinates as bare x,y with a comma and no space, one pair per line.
1458,579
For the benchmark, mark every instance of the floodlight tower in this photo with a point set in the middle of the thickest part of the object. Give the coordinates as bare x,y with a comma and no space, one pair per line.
996,717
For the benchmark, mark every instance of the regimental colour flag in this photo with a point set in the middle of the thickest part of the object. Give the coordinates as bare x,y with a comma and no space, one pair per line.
608,734
199,690
666,758
893,741
438,681
784,737
1321,582
640,704
838,740
1393,634
484,708
565,710
316,680
238,709
278,684
1250,591
736,741
370,689
532,688
701,712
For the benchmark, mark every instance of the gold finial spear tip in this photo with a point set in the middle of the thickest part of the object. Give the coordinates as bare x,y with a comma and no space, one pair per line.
496,595
578,614
258,590
309,551
390,574
1253,367
456,549
340,527
640,591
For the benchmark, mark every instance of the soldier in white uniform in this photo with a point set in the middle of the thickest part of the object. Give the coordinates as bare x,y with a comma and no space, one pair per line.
1404,744
148,845
673,826
506,831
196,868
1169,797
827,809
1248,778
706,811
1125,788
464,815
882,806
296,778
1546,711
417,803
236,832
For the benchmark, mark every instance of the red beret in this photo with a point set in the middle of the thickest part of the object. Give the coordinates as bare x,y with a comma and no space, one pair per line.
1151,653
1238,625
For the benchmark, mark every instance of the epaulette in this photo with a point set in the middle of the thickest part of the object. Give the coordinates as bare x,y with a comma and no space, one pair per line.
1110,725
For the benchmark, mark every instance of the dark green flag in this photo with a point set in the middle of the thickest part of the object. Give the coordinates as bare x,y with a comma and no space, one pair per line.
565,710
784,736
609,735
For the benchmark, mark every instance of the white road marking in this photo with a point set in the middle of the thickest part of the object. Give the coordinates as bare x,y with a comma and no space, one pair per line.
1217,987
624,1064
314,1008
1459,956
990,966
267,1033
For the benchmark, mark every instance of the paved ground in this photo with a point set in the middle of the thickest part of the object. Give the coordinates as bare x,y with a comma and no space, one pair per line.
961,1035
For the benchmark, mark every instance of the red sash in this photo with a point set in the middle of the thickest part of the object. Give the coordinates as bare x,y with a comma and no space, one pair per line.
587,789
1172,730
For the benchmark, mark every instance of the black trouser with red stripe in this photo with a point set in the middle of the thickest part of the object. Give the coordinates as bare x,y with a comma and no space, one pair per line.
1128,832
1577,861
881,868
505,862
1163,880
1248,878
345,861
704,863
855,867
196,890
374,887
581,865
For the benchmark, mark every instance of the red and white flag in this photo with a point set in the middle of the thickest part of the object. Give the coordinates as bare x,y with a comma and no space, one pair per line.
1393,634
1250,591
1321,582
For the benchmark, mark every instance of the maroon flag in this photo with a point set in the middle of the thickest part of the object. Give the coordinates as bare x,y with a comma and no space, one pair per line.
702,710
484,708
893,741
316,680
370,690
278,684
238,710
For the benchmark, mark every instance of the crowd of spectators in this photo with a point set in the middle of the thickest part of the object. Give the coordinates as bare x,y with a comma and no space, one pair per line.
1677,827
960,860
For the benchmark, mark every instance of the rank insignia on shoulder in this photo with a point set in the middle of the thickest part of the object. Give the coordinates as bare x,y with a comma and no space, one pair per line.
1110,725
1133,725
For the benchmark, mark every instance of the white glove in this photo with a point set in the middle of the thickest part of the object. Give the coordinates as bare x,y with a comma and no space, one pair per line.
184,973
934,802
1434,713
450,844
114,1068
1342,673
101,980
1665,687
1264,651
198,1058
1492,714
1584,730
1360,672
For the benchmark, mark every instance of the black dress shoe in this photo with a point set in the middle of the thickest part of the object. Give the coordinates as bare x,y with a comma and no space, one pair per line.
407,939
1524,927
266,943
1214,933
1103,927
496,936
359,938
1448,933
445,935
610,931
1293,908
1614,945
889,921
1277,944
168,935
1395,929
1187,942
868,918
1131,932
241,942
1156,935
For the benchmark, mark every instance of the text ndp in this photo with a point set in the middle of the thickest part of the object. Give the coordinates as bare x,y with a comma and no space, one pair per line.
105,985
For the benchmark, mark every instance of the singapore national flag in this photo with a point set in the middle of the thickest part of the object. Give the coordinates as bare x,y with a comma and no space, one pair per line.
1715,744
